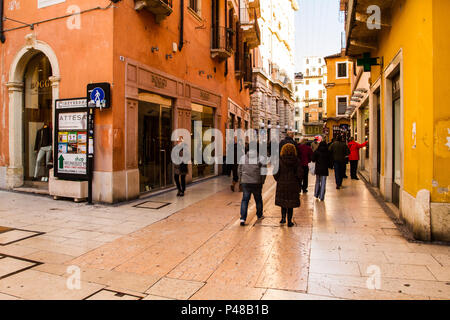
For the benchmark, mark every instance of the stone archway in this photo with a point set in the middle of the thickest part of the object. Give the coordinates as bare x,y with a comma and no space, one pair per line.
15,85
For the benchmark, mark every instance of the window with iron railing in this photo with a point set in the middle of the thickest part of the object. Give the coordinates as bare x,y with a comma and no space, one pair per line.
194,5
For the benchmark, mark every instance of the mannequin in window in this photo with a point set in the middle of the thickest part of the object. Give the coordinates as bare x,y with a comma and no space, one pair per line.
43,146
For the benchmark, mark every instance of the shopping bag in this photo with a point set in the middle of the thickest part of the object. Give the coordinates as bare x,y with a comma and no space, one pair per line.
312,168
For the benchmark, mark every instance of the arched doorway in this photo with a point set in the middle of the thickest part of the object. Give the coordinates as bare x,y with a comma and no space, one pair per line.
33,88
37,121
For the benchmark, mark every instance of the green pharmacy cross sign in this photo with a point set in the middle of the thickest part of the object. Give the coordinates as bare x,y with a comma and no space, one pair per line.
367,62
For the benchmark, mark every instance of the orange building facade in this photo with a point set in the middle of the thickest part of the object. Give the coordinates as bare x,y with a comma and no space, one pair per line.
169,63
339,82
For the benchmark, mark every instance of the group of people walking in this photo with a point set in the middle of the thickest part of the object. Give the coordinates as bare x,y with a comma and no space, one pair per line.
296,160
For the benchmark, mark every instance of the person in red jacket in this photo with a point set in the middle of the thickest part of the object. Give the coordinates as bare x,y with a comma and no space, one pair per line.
354,156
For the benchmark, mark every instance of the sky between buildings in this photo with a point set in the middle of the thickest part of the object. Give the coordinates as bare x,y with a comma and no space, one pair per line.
317,29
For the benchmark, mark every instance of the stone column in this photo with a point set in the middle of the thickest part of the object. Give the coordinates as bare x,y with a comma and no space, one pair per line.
14,173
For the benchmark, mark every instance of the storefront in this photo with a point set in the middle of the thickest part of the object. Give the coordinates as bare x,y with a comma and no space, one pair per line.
154,146
206,116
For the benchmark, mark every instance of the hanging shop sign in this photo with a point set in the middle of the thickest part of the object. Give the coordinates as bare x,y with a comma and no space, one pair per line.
71,139
99,95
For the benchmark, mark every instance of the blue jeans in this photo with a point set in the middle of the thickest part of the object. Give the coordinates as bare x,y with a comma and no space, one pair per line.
248,190
339,172
321,184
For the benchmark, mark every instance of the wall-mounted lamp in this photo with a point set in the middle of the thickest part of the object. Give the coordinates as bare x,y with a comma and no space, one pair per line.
155,49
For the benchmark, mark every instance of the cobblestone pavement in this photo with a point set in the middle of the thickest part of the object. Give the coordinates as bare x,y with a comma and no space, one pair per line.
194,248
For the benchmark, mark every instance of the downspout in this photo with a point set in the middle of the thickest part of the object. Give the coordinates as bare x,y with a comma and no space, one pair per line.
180,45
2,34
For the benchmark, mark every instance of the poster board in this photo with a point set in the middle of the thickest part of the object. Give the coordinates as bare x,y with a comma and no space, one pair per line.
71,137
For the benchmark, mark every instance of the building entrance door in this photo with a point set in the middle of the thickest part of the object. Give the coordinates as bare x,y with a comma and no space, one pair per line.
155,129
378,140
396,159
37,122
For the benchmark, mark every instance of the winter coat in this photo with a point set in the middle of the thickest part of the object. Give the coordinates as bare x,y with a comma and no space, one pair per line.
182,168
354,149
314,146
322,158
251,173
288,187
305,154
339,151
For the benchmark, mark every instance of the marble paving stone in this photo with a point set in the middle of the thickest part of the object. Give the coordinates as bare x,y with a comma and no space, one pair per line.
214,291
9,265
111,295
7,297
401,271
334,267
443,259
272,294
319,254
108,237
374,257
35,285
440,273
14,235
56,269
152,297
49,257
17,250
423,259
84,235
175,288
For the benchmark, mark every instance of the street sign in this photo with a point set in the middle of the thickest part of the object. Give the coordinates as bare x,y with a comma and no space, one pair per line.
99,95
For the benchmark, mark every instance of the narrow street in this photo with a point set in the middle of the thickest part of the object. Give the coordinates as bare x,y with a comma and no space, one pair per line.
194,248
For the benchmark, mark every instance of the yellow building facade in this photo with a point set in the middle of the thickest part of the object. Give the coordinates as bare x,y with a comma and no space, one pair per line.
407,106
338,86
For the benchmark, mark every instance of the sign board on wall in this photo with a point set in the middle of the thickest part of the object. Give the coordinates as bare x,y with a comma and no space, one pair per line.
46,3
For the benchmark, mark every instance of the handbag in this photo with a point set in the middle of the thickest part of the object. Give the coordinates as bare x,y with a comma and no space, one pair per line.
312,168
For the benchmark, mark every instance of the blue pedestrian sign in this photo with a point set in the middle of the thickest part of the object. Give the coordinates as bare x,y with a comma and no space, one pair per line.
99,95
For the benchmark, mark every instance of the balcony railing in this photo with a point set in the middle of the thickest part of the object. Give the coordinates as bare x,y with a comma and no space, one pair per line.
220,45
160,8
250,27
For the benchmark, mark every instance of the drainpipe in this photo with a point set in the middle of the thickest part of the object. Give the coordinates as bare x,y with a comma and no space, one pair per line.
2,35
180,45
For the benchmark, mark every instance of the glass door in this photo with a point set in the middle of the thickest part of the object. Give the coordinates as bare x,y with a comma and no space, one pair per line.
396,161
155,128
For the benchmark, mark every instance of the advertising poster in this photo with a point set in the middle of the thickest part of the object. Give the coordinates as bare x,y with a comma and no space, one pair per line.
62,147
73,137
63,137
82,137
72,163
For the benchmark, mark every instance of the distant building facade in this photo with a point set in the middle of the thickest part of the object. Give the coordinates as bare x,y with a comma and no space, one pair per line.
272,99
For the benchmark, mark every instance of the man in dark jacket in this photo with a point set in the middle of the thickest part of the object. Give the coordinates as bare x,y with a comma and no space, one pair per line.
339,151
322,158
305,154
289,139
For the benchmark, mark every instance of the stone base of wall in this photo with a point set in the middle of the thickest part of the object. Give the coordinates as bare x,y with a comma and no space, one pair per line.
118,186
3,178
66,188
440,221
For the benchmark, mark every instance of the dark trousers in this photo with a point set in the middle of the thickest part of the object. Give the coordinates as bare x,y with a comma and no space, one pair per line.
181,185
235,173
248,190
339,172
353,168
289,212
304,179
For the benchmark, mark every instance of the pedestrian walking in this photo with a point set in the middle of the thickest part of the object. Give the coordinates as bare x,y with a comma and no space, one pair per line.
305,154
288,186
339,151
180,171
315,144
322,158
354,156
288,139
252,181
234,167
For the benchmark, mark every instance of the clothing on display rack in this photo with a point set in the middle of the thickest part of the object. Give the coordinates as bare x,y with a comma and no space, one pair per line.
43,146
